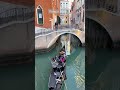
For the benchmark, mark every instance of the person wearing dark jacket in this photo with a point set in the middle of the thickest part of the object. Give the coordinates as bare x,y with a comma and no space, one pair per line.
56,26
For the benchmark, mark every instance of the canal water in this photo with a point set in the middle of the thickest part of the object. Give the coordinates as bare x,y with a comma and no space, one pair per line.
75,69
102,58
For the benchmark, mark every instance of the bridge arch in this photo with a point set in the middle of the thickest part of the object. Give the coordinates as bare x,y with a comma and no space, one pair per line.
100,20
97,21
95,27
57,36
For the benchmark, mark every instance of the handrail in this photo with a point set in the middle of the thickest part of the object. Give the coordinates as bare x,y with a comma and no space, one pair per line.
108,6
46,31
16,14
6,10
53,31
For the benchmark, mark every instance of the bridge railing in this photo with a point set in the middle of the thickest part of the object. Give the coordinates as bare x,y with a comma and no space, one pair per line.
44,31
111,6
47,33
16,14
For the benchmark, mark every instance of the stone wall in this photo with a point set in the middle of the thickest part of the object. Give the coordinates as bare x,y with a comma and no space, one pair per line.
17,38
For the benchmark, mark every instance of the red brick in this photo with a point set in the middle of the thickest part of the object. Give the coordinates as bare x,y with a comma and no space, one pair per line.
46,5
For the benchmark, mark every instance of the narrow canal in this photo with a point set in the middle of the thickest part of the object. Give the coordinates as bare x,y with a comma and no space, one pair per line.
75,69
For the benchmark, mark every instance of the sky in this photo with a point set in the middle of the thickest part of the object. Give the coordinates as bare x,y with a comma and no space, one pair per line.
70,3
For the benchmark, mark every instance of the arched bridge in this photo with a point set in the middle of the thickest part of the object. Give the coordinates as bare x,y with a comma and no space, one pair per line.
107,14
108,21
47,39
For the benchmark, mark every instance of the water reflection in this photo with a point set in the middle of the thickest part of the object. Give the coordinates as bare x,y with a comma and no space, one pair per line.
76,71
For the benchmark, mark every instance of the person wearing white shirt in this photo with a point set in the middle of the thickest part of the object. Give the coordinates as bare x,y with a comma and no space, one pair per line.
54,64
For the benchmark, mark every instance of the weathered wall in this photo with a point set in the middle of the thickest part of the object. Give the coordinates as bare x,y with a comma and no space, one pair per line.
17,38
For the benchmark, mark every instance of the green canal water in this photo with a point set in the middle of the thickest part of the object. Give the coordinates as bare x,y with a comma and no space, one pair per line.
21,76
75,69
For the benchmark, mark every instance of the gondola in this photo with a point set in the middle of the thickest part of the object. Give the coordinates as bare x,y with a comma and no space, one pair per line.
58,76
54,84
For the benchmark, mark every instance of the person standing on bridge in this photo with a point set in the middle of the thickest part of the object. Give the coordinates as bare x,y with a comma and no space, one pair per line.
56,26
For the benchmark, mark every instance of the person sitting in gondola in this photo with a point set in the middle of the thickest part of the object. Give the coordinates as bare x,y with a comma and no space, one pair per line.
54,64
62,55
57,65
57,58
59,77
61,61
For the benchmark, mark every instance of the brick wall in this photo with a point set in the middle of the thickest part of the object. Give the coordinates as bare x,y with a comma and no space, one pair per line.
46,5
46,16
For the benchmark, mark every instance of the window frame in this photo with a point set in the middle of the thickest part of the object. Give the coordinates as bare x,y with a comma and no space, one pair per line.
37,14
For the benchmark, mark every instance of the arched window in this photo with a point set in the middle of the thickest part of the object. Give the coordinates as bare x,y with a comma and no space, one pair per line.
39,15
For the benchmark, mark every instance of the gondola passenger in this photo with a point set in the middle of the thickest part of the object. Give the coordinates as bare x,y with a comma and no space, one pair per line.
54,64
62,60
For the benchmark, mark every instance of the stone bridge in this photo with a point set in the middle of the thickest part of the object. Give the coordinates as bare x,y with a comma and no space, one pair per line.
16,30
46,40
106,15
109,21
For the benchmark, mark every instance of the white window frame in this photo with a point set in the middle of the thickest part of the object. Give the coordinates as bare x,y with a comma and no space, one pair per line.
37,14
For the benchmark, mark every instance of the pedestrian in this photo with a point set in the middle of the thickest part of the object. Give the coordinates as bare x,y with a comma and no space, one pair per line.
56,26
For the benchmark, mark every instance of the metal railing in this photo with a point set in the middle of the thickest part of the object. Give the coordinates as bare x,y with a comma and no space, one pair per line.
102,4
43,31
54,33
48,31
16,14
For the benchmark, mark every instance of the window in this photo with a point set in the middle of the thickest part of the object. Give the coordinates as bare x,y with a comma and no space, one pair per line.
39,15
66,4
61,4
